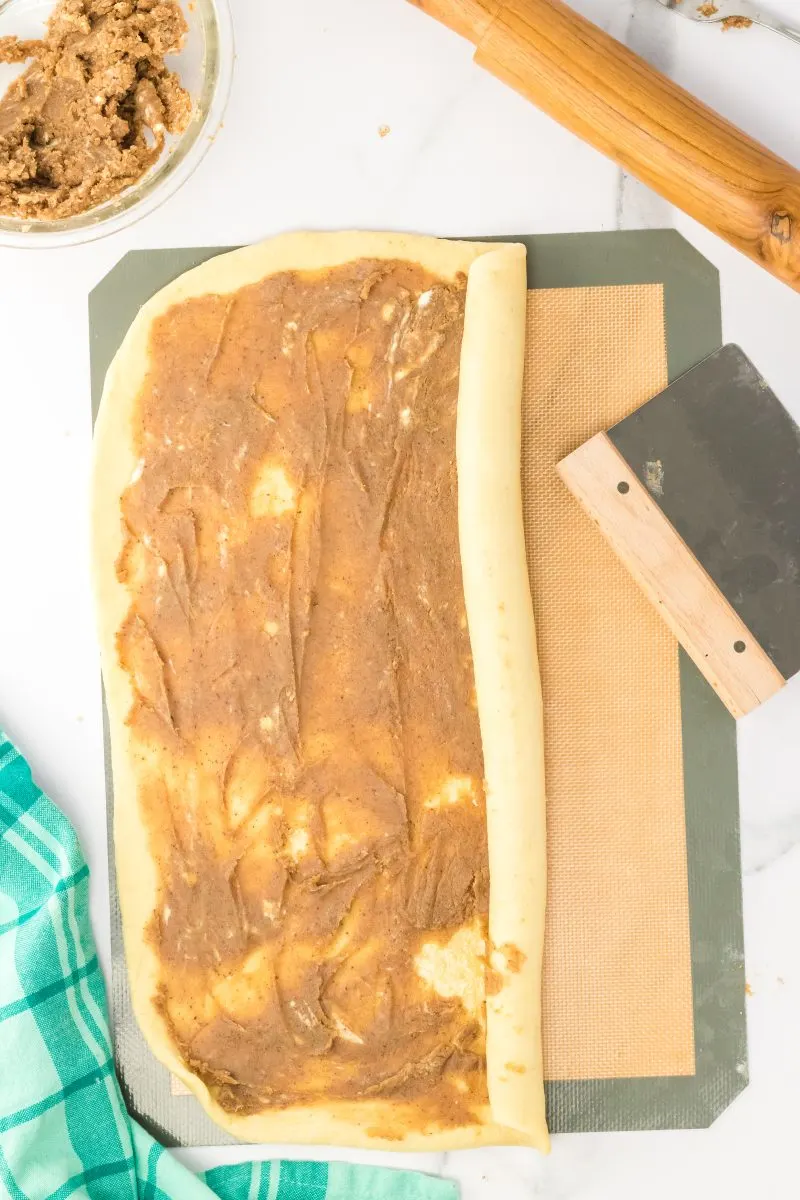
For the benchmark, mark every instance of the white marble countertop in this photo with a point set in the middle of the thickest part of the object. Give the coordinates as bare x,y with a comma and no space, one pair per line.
300,147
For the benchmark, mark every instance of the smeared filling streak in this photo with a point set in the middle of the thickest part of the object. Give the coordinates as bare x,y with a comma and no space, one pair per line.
309,756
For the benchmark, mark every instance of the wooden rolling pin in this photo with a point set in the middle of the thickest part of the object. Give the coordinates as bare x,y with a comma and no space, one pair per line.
655,130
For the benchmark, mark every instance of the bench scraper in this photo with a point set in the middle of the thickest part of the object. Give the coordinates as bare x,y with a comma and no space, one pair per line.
698,491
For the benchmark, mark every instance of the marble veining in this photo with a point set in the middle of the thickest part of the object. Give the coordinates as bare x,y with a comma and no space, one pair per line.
651,31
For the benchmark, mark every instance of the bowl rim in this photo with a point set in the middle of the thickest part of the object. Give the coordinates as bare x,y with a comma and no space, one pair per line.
169,173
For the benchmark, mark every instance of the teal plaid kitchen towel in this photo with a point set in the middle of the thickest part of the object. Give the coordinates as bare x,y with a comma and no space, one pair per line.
64,1129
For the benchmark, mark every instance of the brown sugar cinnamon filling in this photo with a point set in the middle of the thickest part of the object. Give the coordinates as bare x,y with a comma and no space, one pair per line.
90,114
304,707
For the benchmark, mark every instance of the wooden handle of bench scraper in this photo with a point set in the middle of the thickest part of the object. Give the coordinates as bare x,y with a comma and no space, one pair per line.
654,129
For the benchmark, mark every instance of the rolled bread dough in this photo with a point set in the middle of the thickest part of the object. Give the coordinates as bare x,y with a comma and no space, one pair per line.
502,636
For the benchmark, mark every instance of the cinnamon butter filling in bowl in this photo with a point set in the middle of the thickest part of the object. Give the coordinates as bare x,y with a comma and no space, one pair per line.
106,109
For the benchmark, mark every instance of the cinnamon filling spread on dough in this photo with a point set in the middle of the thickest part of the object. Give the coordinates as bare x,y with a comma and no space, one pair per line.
304,712
90,114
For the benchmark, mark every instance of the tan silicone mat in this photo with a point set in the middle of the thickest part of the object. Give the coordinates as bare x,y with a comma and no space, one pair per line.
618,970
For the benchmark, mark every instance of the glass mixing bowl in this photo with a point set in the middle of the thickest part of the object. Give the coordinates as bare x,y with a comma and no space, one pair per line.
205,67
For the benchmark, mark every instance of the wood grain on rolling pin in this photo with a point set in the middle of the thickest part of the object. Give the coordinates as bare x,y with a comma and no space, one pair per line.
613,99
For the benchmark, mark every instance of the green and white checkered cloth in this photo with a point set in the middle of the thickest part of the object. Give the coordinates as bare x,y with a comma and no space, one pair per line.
64,1129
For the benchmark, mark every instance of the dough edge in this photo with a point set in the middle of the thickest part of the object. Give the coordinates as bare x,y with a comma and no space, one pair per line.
500,620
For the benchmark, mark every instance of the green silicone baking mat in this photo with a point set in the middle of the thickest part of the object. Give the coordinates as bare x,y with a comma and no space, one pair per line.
644,973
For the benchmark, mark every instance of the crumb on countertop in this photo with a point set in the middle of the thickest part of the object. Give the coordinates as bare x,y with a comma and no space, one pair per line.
736,23
383,131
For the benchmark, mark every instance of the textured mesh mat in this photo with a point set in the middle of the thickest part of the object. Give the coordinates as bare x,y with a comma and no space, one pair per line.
618,983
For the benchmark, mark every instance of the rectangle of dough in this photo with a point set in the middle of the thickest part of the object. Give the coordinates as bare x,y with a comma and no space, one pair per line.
228,422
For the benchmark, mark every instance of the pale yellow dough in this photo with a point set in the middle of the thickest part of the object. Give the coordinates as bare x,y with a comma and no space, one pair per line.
501,628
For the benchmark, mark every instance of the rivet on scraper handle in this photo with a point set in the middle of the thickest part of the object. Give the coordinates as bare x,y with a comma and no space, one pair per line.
607,95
